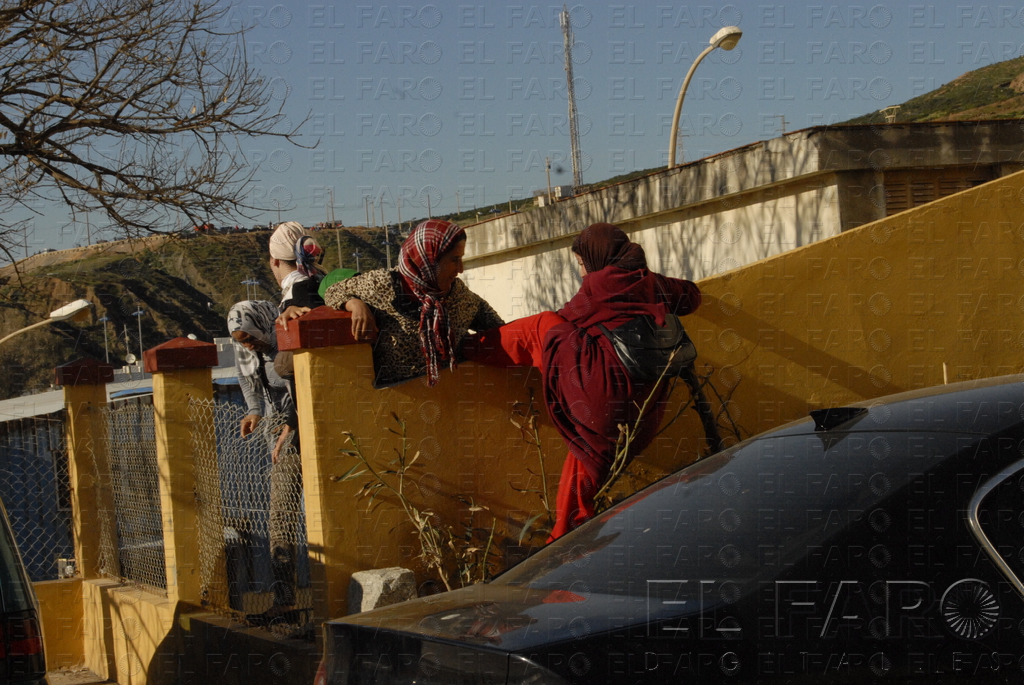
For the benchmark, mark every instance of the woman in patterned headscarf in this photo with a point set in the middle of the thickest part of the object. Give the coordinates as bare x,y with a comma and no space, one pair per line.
419,311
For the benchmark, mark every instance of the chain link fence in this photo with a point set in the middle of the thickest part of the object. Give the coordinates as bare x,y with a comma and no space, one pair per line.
130,443
36,490
252,532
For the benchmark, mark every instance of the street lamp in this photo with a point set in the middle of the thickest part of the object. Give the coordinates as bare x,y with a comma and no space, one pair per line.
138,315
106,348
726,39
64,313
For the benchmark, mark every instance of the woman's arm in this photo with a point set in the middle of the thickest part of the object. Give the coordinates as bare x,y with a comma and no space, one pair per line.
486,318
681,296
253,404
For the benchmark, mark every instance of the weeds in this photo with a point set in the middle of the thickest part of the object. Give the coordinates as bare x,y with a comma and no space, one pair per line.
527,425
452,554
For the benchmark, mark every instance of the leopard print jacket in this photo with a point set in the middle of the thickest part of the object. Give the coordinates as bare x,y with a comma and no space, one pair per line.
397,355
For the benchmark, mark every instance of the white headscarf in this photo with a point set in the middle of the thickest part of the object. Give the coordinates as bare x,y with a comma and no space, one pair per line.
283,239
255,318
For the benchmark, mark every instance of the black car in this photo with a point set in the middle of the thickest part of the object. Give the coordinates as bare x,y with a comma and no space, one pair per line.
880,542
21,641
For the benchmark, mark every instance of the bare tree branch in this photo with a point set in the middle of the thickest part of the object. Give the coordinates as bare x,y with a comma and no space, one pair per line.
134,108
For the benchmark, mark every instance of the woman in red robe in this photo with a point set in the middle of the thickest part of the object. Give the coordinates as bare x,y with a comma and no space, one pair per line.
587,390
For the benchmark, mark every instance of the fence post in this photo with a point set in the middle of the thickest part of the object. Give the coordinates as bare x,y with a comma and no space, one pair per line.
329,368
92,501
181,369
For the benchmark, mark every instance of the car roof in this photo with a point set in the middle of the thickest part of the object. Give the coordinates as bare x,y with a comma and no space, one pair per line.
983,407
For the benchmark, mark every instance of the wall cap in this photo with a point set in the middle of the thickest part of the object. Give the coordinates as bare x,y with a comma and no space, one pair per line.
178,354
322,327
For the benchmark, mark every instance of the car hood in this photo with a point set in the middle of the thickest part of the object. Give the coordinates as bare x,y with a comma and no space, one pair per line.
511,618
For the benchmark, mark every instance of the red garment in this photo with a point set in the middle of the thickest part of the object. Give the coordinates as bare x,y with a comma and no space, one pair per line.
574,503
518,343
587,391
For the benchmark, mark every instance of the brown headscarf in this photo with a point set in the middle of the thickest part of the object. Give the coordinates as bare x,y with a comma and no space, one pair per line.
601,245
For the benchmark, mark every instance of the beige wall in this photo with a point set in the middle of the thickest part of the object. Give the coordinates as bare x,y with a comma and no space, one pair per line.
693,242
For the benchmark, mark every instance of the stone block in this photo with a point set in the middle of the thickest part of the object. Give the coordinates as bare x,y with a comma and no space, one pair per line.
379,588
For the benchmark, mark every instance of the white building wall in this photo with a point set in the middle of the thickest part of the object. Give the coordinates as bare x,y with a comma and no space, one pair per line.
544,276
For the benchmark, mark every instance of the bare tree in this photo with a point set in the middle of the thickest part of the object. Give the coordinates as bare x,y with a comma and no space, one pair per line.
134,108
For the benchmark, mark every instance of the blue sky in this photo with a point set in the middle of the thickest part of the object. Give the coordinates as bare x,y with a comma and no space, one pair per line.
407,101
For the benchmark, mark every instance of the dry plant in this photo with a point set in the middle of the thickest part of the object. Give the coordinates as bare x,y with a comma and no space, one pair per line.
524,417
712,422
454,553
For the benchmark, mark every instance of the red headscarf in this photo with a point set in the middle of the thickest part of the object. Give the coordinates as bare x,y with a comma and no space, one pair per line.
601,245
418,260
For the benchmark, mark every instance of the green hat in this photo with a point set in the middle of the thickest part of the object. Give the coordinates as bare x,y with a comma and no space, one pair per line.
335,276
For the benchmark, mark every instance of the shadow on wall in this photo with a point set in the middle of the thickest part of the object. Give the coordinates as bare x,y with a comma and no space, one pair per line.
873,311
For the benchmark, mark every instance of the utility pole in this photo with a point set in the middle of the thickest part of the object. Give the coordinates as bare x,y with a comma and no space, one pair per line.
357,256
547,167
458,208
574,129
399,214
429,216
366,206
88,233
387,236
138,315
337,231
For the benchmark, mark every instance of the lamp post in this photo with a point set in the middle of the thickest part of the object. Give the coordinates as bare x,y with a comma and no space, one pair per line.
726,39
68,311
106,348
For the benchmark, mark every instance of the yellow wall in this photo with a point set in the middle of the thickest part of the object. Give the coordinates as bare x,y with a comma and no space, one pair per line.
60,606
873,311
468,447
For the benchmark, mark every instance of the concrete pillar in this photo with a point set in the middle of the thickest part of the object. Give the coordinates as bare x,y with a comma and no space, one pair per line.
181,370
85,393
92,501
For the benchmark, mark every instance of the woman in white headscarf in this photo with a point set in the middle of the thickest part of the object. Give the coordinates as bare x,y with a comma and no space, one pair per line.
251,324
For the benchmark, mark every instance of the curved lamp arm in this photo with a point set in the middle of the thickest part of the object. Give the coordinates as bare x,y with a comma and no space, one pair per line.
66,312
726,38
679,106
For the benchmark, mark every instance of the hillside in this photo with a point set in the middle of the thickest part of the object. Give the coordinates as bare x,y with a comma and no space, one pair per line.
992,92
182,286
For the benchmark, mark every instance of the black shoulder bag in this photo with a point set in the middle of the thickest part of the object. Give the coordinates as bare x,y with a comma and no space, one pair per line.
645,349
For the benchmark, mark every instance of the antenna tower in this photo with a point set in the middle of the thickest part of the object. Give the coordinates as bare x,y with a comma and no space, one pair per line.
574,129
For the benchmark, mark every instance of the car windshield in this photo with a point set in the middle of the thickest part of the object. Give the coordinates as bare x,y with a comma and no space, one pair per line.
741,517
